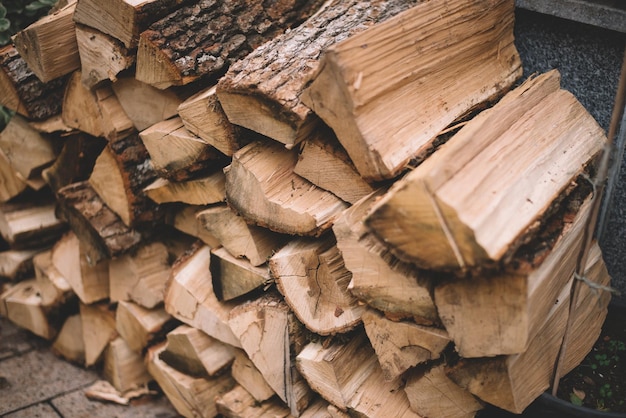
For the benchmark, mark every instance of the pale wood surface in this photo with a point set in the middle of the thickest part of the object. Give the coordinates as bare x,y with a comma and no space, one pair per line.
249,377
69,342
22,305
234,277
204,190
185,220
238,403
28,223
52,285
98,322
123,367
139,326
13,183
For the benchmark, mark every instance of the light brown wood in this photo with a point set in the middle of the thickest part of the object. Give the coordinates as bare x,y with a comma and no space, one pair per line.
139,326
204,190
262,187
241,239
529,167
98,325
13,183
30,223
184,219
249,377
49,45
400,345
18,264
238,403
313,279
190,396
189,296
69,342
53,124
123,367
53,287
377,277
234,277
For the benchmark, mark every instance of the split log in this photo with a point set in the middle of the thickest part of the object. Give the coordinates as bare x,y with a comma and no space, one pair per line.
234,277
194,353
238,403
249,377
102,57
53,287
69,343
98,324
123,367
377,277
400,345
53,124
439,198
432,394
90,282
185,220
204,190
499,313
204,38
324,163
189,296
120,174
271,336
23,92
176,153
313,279
27,224
202,115
241,239
18,264
262,91
262,187
139,326
190,396
12,183
101,231
461,55
49,45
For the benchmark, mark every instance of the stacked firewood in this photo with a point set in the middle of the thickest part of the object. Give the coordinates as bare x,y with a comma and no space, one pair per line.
304,208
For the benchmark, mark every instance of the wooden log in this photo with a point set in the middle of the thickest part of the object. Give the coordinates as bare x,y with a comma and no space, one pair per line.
249,377
262,187
432,394
262,91
53,124
377,277
189,296
190,396
23,92
12,183
185,220
194,353
400,345
512,140
123,367
238,403
270,335
313,279
18,264
202,115
168,54
49,45
69,342
53,287
239,238
98,324
101,231
90,282
123,19
27,224
139,326
234,277
204,190
102,57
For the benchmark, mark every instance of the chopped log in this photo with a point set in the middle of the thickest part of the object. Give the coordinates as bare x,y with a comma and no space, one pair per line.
249,377
313,279
53,124
139,326
400,345
144,104
176,153
123,19
123,367
234,277
49,45
262,91
23,92
69,342
202,115
439,198
18,264
119,176
377,277
90,282
241,239
199,191
102,57
96,112
140,276
270,334
101,231
12,183
29,223
189,296
98,322
204,38
190,396
238,403
194,353
53,287
324,163
432,394
338,371
27,150
184,219
462,54
262,187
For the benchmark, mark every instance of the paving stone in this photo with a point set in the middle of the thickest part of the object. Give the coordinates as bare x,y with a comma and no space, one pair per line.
15,341
41,410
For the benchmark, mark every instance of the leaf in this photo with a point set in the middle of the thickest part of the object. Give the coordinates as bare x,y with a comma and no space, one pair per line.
5,24
3,10
579,393
575,399
4,39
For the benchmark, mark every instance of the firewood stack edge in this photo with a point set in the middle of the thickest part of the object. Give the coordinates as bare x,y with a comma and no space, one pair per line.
303,208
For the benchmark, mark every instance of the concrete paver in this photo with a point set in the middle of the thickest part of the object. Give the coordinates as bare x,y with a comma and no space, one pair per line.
41,410
76,405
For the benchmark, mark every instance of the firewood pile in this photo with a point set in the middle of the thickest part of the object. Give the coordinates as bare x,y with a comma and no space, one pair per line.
300,208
